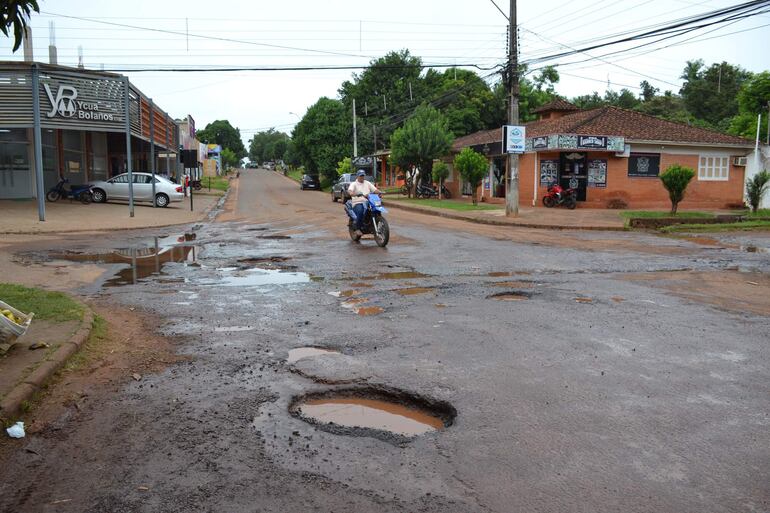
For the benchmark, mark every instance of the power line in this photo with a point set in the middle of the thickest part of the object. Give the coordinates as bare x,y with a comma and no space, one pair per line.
498,8
200,36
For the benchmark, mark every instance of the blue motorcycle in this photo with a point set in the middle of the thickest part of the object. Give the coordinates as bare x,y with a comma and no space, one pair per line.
374,222
79,192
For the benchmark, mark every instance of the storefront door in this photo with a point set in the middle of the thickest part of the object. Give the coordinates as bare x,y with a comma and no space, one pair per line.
573,173
15,171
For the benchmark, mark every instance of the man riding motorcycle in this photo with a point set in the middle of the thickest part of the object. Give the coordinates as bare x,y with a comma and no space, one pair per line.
358,191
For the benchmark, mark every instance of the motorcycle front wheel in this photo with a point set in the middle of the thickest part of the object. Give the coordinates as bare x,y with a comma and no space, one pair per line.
352,232
571,203
549,202
85,197
382,235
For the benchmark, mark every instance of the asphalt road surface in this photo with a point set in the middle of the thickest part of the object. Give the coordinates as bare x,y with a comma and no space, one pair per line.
617,372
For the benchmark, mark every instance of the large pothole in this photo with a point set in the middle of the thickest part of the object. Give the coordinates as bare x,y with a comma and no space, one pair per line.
388,414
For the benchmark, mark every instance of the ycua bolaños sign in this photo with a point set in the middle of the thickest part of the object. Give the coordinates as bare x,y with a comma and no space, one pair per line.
65,104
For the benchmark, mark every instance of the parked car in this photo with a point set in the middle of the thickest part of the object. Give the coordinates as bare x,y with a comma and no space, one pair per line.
309,182
116,188
340,187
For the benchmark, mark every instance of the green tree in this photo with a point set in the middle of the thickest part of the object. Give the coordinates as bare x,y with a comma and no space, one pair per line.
14,17
223,133
268,145
229,158
648,92
675,179
440,173
424,137
711,93
756,187
753,99
323,137
345,166
472,166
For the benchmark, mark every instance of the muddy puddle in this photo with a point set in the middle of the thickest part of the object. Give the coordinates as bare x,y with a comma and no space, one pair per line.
141,261
307,352
413,291
509,296
377,413
256,277
585,300
402,275
368,310
275,237
514,284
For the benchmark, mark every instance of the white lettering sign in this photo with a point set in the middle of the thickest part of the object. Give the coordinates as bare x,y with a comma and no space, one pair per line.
66,105
514,139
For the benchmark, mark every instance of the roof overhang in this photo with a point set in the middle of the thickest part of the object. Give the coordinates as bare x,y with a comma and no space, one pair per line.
748,145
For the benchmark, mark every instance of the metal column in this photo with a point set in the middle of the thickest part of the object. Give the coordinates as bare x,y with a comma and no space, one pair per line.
129,165
38,143
152,149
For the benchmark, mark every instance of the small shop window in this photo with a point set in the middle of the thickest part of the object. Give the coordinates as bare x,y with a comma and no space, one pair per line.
644,165
712,167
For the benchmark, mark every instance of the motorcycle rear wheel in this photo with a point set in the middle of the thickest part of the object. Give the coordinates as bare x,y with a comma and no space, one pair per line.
571,203
549,202
382,235
53,196
85,197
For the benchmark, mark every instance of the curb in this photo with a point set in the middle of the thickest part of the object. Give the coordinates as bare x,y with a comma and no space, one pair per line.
11,405
495,222
204,213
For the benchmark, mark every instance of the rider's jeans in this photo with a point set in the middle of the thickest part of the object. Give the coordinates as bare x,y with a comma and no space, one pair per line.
360,210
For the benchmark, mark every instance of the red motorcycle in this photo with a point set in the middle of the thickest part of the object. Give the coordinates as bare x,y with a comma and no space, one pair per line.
557,196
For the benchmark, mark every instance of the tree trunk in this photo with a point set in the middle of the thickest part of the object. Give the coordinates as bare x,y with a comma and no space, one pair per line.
673,208
440,184
475,196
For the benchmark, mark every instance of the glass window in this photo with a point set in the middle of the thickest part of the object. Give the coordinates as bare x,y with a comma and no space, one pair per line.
120,179
98,168
714,168
50,158
74,156
644,165
142,178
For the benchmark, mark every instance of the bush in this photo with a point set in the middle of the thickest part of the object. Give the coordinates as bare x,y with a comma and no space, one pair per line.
440,173
472,166
675,179
756,187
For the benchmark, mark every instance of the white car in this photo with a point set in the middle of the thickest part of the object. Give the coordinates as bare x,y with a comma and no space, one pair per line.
116,188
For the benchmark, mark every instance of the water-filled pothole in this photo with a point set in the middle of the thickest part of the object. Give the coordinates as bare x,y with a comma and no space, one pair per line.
382,413
402,275
512,295
255,277
299,353
413,291
275,237
514,284
143,261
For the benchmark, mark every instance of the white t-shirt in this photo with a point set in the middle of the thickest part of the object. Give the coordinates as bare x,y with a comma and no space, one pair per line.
355,188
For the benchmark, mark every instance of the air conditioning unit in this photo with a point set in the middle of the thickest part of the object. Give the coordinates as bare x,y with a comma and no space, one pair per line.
740,161
625,153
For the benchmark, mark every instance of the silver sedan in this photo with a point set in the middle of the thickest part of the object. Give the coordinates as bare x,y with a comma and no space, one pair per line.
116,188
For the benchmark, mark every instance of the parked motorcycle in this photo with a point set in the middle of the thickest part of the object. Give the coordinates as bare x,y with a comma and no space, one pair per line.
426,191
445,194
374,221
559,196
80,192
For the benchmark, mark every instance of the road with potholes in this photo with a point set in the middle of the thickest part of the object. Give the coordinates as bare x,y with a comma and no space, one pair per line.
575,371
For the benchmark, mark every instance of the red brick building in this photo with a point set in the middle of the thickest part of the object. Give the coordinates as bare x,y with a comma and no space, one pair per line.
612,155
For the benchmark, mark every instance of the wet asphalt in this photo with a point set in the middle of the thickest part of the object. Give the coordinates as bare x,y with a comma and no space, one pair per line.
590,393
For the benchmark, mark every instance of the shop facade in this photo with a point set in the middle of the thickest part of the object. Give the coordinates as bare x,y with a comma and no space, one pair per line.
82,125
613,158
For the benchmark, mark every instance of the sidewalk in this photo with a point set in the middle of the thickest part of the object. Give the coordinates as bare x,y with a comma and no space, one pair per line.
529,217
66,216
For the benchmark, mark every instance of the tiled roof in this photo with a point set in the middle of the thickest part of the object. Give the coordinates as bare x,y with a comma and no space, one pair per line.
632,125
559,104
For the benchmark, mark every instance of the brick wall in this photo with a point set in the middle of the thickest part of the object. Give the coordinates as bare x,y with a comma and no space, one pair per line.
640,192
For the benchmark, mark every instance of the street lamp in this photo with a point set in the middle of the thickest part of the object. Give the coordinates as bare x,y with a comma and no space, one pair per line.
295,114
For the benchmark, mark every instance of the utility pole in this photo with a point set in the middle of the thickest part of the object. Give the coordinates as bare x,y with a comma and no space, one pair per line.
355,132
768,123
512,188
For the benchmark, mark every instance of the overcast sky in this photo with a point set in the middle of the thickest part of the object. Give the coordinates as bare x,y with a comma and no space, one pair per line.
183,34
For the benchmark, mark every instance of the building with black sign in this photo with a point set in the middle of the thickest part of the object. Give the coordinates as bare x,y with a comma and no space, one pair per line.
82,117
613,157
